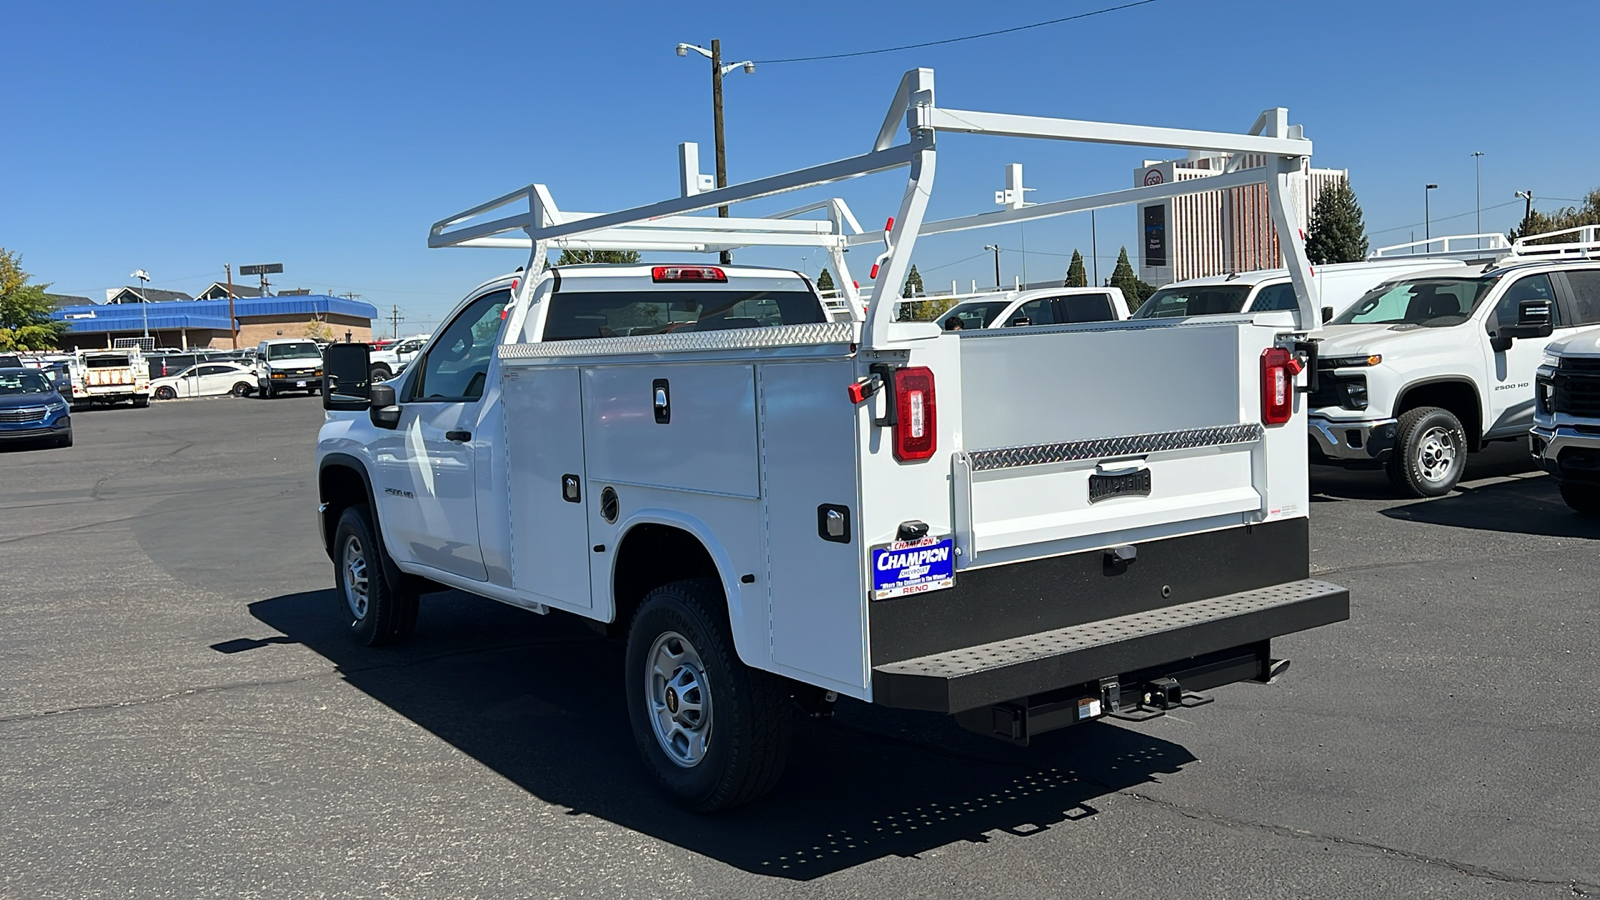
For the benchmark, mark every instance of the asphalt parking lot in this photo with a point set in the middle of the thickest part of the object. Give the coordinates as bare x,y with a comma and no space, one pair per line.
181,717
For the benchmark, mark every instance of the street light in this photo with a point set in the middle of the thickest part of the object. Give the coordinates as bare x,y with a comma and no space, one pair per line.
996,249
1527,210
717,71
1427,212
144,298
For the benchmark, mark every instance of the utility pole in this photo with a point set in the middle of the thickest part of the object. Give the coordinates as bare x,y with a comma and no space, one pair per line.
1477,177
996,249
717,71
394,322
1427,212
1094,249
233,324
1527,209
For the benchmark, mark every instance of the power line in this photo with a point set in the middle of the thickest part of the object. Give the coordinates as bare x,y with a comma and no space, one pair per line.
955,40
1447,218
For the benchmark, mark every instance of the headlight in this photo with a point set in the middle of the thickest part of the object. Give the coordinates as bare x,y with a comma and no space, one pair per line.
1551,360
1349,362
59,405
277,375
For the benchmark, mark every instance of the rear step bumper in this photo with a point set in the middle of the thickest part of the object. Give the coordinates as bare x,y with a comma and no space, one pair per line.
971,677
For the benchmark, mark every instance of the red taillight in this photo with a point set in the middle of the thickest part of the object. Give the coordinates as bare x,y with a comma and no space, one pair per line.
687,273
1278,368
916,414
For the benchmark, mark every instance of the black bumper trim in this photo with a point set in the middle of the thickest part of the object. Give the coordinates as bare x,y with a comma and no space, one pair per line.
971,677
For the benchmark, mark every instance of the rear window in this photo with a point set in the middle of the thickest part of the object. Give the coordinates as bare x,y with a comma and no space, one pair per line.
596,314
1206,300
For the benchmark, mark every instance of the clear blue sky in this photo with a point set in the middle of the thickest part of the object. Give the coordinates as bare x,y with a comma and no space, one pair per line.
176,137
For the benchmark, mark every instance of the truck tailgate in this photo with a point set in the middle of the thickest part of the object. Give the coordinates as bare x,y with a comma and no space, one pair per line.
1084,437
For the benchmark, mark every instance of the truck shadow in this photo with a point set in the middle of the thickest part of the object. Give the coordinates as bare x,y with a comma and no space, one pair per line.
1497,460
1528,505
539,700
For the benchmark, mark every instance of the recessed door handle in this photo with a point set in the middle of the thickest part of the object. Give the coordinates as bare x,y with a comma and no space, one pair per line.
458,436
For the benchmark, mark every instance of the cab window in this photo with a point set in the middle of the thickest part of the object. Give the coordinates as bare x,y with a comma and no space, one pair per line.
457,366
1275,297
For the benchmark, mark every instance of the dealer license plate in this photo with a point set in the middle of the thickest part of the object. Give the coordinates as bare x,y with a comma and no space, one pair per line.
913,567
299,384
1104,487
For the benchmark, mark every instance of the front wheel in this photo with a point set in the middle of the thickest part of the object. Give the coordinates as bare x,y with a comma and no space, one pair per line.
376,610
1582,498
379,373
713,732
1430,452
266,392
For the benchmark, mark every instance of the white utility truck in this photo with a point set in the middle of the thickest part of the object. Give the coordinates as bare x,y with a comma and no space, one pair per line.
1024,528
1431,365
110,376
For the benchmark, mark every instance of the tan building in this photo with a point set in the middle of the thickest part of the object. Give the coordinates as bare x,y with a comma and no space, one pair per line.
1212,232
193,324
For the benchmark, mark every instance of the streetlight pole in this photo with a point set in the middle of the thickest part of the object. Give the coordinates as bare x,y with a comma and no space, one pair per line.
1094,249
144,298
1477,177
996,249
717,71
1427,211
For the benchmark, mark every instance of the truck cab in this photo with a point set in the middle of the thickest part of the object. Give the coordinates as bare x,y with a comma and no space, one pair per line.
1428,367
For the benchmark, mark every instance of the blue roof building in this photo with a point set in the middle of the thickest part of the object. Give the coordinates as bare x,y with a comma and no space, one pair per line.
190,324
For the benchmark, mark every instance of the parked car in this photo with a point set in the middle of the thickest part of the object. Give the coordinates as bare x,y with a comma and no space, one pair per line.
208,379
32,409
1269,290
1047,306
11,361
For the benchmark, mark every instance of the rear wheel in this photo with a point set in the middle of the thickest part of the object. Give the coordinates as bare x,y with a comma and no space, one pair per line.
165,393
1430,452
242,389
1583,498
713,732
380,372
376,610
140,401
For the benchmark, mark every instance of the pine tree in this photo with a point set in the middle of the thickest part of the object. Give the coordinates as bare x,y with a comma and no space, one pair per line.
1077,276
25,322
1134,290
825,281
1337,234
913,283
583,257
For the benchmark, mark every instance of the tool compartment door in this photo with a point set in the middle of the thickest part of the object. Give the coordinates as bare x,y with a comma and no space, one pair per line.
544,448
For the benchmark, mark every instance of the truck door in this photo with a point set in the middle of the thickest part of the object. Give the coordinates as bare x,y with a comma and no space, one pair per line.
1511,371
432,513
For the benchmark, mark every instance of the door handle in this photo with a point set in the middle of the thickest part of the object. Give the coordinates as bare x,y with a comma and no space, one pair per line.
458,436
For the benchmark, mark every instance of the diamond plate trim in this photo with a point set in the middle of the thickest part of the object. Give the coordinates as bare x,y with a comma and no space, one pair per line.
1101,448
811,334
1028,648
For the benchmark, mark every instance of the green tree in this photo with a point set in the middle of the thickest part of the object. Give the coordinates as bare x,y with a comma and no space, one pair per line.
1537,222
1077,276
1135,291
1337,233
913,283
584,257
825,281
25,322
318,330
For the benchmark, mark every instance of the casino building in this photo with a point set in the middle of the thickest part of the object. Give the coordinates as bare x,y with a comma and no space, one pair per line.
1212,232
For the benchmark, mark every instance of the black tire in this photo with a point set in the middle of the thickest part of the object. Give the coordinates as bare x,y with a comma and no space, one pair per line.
1430,452
165,393
380,373
267,393
1583,498
140,401
65,440
749,723
242,389
387,612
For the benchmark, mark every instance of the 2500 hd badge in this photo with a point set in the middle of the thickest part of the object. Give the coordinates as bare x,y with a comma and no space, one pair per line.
913,567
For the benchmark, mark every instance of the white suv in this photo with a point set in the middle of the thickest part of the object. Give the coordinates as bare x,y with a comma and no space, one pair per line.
1427,367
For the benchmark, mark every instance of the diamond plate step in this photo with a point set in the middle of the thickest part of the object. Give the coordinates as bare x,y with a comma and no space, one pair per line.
1006,670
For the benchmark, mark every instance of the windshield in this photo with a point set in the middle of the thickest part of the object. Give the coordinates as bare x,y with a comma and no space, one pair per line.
974,314
595,314
23,383
1429,302
1199,300
298,350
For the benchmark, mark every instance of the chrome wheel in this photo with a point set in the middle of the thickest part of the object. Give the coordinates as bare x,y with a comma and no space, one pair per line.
354,572
1437,453
679,698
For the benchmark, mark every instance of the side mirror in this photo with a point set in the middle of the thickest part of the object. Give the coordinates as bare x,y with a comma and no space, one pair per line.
1020,322
383,409
1327,314
1533,320
346,379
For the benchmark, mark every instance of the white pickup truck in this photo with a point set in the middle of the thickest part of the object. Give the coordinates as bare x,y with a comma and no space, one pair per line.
1429,366
1565,438
392,360
775,508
